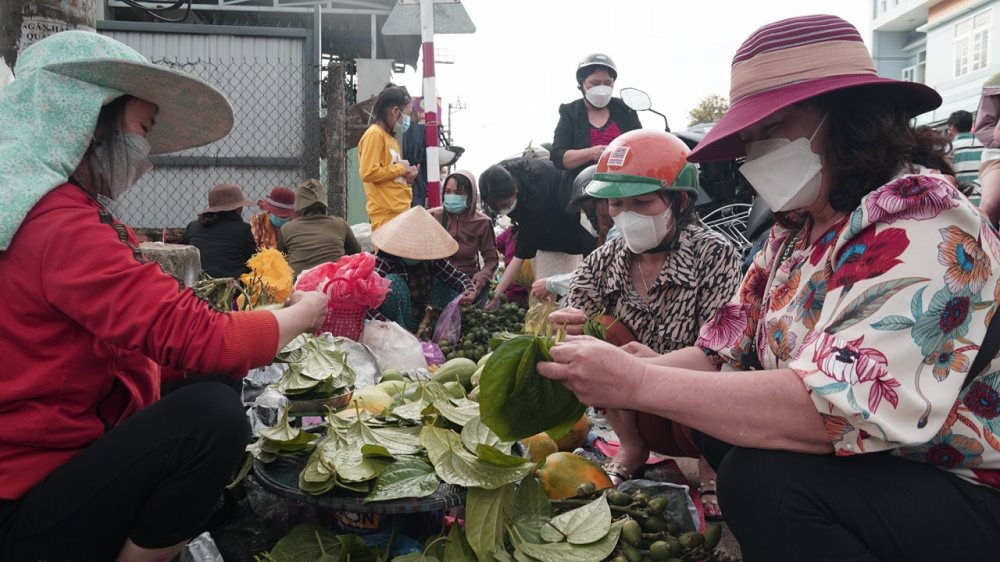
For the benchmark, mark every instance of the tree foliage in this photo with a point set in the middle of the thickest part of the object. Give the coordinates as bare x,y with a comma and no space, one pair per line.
710,108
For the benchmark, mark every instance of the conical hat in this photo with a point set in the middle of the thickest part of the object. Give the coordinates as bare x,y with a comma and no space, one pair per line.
416,235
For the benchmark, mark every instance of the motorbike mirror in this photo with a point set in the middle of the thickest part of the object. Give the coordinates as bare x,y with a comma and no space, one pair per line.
448,155
636,99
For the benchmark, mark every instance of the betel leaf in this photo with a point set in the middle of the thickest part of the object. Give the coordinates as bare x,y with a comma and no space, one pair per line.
293,352
396,440
305,542
582,525
459,411
415,557
567,552
515,401
328,363
491,455
532,509
455,465
475,433
282,433
458,547
406,478
358,463
486,513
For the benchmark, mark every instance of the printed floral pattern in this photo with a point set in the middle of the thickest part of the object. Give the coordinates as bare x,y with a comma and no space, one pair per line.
888,309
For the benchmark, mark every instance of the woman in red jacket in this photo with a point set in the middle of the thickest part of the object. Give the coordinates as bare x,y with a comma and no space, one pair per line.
93,465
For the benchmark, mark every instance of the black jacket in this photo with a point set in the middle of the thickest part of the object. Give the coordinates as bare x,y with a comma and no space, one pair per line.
225,245
541,222
573,130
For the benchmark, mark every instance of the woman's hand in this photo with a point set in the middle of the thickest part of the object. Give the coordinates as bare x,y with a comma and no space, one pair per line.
600,374
540,290
468,298
569,318
411,173
596,151
639,349
492,304
304,311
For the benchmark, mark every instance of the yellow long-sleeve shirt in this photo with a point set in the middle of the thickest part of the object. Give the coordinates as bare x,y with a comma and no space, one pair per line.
383,177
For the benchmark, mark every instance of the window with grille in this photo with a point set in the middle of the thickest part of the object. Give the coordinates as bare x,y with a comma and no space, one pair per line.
972,43
916,72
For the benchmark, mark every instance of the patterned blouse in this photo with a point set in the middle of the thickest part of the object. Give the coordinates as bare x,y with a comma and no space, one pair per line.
881,318
697,278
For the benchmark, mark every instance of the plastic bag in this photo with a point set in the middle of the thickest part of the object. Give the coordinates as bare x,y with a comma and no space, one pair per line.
201,549
351,279
393,346
432,353
680,508
449,323
536,320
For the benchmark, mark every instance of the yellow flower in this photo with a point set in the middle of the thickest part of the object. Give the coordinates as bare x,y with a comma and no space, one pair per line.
269,280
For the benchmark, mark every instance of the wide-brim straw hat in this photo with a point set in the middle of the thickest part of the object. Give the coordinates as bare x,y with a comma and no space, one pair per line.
226,197
191,112
280,203
48,114
415,235
793,60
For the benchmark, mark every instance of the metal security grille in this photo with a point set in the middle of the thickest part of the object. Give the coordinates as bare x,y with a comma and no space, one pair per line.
271,78
271,144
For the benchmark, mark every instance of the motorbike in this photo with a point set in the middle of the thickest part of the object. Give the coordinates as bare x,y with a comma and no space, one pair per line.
726,202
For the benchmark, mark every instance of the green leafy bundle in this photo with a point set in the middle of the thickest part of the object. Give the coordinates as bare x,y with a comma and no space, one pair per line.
316,368
515,401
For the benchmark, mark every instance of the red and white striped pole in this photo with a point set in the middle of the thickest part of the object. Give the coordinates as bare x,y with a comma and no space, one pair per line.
430,104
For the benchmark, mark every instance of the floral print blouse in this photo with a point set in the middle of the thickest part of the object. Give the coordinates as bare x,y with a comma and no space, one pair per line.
881,318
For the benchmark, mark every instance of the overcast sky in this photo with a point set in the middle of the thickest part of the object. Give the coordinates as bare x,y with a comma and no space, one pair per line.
512,74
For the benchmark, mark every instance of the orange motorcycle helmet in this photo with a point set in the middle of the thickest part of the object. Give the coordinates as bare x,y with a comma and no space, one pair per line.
643,161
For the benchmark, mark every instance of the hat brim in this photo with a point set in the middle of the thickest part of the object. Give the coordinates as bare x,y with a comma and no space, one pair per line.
277,211
618,189
724,143
415,235
228,207
191,112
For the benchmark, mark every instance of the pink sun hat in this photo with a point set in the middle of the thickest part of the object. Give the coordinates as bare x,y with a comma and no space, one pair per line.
793,60
280,202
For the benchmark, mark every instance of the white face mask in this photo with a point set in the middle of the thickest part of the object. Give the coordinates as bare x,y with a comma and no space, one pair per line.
644,232
587,225
785,173
599,96
508,210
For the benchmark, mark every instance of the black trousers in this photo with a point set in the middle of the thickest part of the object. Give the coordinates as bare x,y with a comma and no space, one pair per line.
799,507
156,479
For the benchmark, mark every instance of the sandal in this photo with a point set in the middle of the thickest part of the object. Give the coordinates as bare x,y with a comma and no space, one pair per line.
710,500
618,473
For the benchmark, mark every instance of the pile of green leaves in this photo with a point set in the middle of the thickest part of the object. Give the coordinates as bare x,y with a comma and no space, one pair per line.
515,401
428,437
316,369
280,438
479,325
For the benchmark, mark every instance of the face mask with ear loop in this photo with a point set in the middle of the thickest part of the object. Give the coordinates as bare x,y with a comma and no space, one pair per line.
599,96
402,125
785,173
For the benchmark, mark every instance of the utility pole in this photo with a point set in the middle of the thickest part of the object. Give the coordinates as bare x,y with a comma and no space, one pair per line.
458,106
336,152
430,104
23,22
